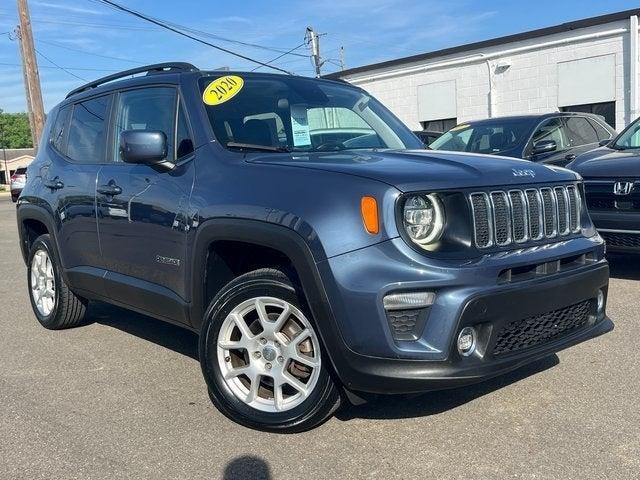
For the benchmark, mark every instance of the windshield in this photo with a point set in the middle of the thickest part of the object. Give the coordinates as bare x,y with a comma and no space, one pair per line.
486,137
630,138
298,114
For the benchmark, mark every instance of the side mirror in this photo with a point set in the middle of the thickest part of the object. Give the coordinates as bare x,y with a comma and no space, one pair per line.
605,142
148,147
544,146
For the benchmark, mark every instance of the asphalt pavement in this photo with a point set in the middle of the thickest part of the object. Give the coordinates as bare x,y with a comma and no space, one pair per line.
123,398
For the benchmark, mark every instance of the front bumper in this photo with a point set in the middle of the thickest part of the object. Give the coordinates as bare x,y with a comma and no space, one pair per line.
373,361
620,230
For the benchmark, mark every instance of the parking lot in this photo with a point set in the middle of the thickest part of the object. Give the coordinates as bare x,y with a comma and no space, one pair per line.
123,397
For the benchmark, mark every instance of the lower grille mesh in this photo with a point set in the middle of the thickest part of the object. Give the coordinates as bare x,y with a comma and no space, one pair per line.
616,239
538,329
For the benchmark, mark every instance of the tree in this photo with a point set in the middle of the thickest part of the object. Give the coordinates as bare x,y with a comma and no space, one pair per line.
14,130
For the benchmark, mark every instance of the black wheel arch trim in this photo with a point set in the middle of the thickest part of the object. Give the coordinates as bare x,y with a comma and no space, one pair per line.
291,244
29,211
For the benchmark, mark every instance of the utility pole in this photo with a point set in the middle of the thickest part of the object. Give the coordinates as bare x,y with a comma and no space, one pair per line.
30,70
341,58
4,154
314,40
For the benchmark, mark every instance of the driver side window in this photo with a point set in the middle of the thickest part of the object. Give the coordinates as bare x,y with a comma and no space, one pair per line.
146,109
552,129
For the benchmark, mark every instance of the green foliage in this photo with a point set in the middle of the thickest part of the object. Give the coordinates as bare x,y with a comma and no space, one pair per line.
14,130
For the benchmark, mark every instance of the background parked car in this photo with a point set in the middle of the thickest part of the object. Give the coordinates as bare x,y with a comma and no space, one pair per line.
18,179
556,138
427,136
612,184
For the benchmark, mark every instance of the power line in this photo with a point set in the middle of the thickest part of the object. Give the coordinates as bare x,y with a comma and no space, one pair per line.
282,55
17,65
97,25
210,35
179,32
60,45
61,68
85,24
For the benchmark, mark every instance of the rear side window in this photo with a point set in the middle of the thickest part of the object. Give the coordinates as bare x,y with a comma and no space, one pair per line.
59,129
151,108
88,130
580,132
601,132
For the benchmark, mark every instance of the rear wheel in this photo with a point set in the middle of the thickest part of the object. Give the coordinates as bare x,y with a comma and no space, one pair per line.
55,306
262,358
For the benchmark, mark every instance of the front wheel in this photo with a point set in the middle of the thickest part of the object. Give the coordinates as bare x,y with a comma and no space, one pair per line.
262,358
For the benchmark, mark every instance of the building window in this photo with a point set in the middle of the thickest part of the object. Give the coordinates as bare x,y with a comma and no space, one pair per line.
605,109
439,125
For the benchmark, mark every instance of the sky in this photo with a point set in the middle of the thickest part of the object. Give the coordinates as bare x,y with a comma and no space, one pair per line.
91,40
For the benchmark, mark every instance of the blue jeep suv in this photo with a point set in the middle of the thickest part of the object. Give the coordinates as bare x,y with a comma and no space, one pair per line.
306,235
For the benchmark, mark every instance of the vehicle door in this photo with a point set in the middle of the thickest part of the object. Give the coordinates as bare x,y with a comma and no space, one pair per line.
76,150
143,209
549,143
581,135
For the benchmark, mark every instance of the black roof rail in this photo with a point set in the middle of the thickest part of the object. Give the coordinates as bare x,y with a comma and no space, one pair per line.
150,69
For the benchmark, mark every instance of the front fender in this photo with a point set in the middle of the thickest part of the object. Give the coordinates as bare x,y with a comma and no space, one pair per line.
277,237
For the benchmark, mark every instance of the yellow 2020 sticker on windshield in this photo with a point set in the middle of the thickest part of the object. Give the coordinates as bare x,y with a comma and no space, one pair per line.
459,127
222,89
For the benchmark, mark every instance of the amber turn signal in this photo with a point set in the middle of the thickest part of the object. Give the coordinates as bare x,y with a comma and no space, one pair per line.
369,210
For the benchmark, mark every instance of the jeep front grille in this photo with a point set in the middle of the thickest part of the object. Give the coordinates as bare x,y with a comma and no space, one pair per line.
502,218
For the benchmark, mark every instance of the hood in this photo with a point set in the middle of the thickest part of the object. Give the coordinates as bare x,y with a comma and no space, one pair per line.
605,162
412,170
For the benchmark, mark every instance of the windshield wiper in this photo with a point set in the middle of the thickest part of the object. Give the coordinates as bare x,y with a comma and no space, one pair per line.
252,146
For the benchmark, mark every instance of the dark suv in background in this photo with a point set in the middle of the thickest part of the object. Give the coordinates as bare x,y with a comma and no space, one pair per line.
314,264
554,138
612,181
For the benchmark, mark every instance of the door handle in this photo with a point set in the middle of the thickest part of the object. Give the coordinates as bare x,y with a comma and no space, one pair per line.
110,189
570,156
55,184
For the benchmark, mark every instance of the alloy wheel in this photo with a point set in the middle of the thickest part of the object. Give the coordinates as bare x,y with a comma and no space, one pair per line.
43,283
269,354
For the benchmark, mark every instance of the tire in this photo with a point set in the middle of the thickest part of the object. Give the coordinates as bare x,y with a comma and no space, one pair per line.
59,308
289,337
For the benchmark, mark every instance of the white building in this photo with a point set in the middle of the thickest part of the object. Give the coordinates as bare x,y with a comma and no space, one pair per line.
588,65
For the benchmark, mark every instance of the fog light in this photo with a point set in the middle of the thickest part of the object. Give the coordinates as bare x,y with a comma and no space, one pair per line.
467,341
600,302
408,300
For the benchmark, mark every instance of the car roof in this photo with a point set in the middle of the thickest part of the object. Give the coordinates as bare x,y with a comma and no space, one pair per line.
170,73
531,117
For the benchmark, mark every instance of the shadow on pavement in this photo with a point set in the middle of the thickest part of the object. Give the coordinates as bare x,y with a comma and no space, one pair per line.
161,333
247,467
626,267
378,407
421,405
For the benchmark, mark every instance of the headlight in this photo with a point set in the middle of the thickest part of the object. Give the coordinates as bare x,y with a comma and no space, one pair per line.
423,218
